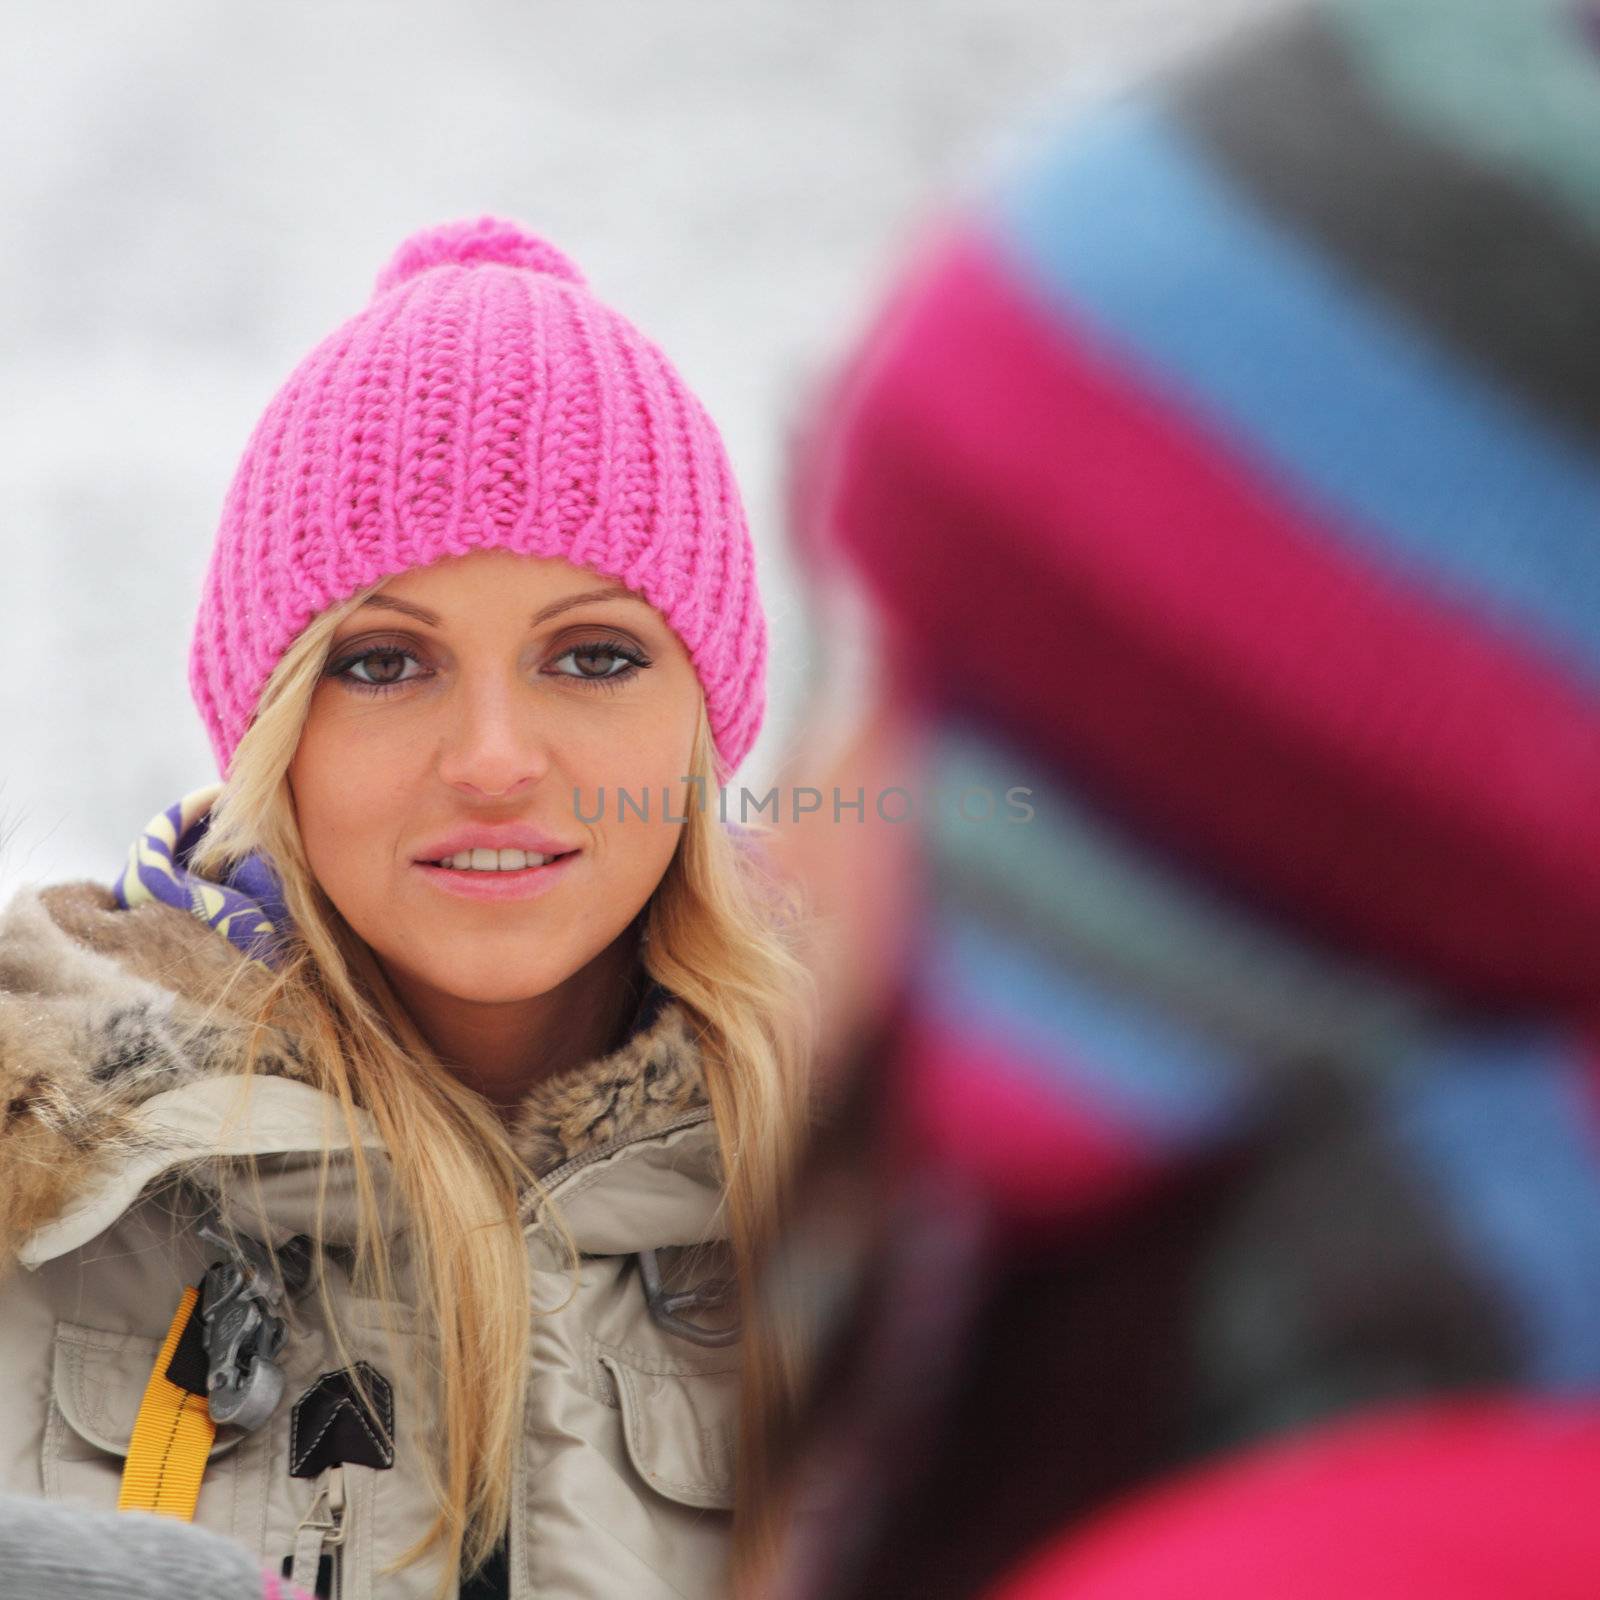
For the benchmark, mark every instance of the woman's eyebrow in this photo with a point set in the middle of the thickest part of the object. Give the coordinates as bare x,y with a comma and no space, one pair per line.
611,591
386,603
614,591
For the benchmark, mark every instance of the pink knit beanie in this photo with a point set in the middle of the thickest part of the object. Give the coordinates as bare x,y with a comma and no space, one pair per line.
483,399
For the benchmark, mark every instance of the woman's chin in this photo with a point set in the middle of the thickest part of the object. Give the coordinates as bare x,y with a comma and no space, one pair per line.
474,975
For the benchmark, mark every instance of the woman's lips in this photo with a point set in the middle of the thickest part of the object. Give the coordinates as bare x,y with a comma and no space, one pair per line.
527,883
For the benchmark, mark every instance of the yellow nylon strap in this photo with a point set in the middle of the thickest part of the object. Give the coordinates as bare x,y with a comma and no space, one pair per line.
171,1437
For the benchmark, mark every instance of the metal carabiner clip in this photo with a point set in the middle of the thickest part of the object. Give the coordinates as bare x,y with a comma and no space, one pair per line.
243,1333
665,1308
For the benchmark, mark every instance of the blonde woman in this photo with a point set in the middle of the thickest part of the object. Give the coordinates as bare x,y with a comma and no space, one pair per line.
385,1154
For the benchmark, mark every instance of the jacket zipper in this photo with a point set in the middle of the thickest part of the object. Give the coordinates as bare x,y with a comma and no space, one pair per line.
322,1532
321,1535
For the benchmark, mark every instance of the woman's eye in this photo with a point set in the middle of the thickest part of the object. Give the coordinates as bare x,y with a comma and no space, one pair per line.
375,670
388,676
614,663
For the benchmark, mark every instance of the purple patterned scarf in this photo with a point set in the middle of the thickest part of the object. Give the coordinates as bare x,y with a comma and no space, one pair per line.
247,905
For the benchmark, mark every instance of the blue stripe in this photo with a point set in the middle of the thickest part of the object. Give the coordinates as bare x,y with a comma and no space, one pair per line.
1498,1126
1114,1055
1419,462
1074,875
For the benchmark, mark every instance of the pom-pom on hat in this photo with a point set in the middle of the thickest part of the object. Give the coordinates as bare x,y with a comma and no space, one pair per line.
483,399
464,244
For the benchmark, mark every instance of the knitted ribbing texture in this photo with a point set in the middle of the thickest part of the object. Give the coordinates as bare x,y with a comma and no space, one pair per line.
483,399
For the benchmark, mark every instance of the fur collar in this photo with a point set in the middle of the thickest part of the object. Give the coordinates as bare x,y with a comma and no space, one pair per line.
102,1007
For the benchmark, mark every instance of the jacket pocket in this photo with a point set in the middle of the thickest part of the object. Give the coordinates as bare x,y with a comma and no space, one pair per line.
97,1382
678,1422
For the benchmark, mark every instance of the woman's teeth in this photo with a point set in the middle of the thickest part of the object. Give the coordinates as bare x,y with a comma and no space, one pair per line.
494,860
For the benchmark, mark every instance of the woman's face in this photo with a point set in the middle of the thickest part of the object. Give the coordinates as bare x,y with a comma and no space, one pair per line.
482,693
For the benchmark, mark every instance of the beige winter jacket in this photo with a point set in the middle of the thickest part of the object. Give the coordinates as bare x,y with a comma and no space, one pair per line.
108,1095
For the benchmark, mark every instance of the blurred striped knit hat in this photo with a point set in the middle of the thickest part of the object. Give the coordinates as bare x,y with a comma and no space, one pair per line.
1229,471
1231,464
483,399
1239,454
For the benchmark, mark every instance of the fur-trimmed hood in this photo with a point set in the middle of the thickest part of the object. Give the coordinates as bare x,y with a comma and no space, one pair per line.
106,1009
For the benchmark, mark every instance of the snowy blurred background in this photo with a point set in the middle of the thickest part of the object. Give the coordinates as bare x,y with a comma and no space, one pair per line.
199,192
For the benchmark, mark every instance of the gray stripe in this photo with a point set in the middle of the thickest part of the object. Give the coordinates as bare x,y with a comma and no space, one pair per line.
1494,269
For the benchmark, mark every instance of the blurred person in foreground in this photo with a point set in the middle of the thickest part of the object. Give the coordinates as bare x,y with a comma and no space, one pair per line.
50,1551
1210,1197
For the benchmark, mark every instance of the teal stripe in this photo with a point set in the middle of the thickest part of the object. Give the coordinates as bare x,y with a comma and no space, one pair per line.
1512,81
1076,1039
1082,890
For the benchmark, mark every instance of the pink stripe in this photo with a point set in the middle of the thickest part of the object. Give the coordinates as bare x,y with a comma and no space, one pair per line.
1465,1498
990,1114
273,1588
1125,595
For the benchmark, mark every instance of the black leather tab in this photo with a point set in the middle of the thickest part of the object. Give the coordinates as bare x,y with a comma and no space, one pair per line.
330,1425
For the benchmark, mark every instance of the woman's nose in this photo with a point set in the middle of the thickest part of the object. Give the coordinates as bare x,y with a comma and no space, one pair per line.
496,743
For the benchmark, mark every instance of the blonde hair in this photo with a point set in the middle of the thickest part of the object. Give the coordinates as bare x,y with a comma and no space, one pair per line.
724,935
